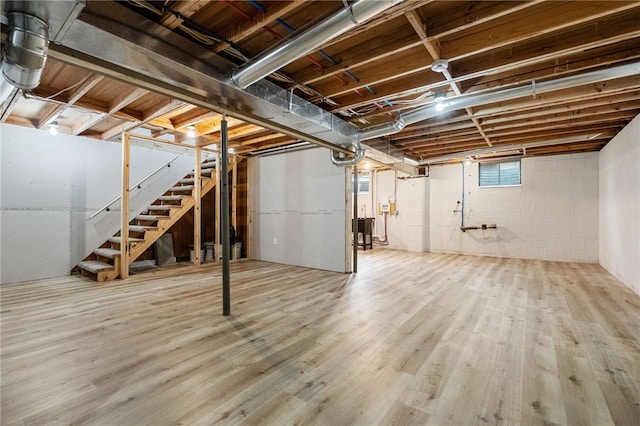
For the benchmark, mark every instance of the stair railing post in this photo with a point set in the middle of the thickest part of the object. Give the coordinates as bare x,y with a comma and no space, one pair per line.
224,206
197,188
124,217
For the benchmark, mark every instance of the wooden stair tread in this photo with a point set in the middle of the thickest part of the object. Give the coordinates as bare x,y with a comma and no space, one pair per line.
151,217
118,240
161,207
107,252
95,266
182,188
170,198
141,228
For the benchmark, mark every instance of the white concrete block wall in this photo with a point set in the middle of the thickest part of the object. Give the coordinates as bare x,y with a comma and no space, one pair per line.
620,206
408,229
50,185
299,210
553,215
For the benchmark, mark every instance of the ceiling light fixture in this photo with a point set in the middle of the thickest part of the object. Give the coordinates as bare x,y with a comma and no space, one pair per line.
439,98
467,162
53,128
191,131
440,65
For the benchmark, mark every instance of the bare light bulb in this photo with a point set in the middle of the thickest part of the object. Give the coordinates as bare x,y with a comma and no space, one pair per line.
191,131
53,128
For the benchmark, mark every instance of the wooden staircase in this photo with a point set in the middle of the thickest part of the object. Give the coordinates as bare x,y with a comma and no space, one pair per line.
148,226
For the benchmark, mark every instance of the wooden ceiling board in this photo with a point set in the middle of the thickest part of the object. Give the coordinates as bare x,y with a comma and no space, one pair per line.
382,68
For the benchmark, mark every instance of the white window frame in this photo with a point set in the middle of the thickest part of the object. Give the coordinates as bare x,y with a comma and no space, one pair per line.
511,185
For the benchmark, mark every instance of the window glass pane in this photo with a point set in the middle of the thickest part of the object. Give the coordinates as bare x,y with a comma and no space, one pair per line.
489,174
499,173
510,173
363,183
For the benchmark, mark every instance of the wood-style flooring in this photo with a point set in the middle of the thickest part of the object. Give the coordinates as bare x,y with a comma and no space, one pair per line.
413,338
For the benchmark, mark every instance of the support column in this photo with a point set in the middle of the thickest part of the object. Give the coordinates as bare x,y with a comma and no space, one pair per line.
197,208
224,223
355,218
124,207
216,224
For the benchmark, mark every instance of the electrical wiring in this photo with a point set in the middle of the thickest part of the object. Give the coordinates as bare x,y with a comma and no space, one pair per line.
64,90
232,49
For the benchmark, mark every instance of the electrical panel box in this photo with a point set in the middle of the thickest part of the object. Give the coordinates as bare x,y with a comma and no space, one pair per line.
387,208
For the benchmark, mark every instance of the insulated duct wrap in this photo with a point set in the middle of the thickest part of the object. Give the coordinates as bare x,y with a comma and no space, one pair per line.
25,52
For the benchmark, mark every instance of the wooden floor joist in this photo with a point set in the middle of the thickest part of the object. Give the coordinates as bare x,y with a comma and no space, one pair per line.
413,338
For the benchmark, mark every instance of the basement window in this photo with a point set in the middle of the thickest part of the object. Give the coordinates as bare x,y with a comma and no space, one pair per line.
363,183
502,173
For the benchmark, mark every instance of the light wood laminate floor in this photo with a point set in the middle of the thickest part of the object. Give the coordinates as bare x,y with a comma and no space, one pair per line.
413,338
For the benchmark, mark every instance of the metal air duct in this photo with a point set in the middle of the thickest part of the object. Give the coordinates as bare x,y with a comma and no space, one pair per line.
339,159
25,52
270,61
466,101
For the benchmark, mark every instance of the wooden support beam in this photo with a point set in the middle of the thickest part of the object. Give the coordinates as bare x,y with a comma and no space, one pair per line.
124,218
83,87
249,239
125,98
197,208
234,192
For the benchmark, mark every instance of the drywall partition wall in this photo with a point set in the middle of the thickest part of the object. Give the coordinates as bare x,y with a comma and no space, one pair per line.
552,215
50,187
298,210
620,206
408,227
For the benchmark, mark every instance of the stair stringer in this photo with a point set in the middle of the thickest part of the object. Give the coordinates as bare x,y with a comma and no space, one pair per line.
163,226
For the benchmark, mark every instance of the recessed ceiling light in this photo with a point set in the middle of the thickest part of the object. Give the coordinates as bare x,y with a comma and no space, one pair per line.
53,128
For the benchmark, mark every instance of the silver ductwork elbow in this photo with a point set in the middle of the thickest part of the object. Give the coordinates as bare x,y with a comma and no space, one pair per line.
25,52
24,55
340,159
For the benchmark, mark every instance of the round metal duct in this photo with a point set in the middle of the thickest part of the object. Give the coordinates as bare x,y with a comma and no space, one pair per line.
25,52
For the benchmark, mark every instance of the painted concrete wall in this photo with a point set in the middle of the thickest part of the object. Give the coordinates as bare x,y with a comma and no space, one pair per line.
298,210
408,228
553,215
620,206
50,187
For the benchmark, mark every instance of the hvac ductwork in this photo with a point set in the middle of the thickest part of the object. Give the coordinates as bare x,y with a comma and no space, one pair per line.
466,101
271,61
340,159
25,52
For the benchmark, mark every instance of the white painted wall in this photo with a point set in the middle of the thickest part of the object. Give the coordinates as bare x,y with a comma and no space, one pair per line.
408,229
50,185
298,210
553,215
620,206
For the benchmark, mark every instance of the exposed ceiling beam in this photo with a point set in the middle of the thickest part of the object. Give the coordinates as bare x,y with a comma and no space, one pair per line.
80,90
